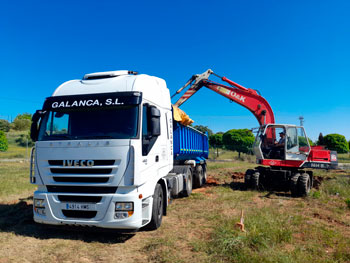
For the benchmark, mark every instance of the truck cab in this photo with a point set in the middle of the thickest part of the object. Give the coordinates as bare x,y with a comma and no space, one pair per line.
103,144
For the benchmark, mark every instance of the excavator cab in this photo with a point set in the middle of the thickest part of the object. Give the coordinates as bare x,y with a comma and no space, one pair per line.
281,142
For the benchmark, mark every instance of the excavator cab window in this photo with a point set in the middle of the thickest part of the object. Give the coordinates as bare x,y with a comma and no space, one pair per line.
303,141
273,142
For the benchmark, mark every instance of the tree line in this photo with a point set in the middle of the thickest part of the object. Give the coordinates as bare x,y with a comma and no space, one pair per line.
241,140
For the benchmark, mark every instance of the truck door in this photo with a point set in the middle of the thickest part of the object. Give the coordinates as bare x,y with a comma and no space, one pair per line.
150,142
297,145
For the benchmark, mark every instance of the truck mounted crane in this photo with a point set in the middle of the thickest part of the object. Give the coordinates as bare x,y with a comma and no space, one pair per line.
282,164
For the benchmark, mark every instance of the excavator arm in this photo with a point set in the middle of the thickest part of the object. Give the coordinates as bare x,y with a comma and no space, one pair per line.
248,98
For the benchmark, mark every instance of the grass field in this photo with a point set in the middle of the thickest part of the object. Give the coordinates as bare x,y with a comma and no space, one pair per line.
201,228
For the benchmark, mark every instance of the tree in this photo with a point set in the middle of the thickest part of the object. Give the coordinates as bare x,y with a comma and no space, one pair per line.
215,141
240,140
336,142
320,139
3,142
22,122
4,125
203,129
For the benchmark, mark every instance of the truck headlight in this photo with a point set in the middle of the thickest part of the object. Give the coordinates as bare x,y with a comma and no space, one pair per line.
39,206
123,210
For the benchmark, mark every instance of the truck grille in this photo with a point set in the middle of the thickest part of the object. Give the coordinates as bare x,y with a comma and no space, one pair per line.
81,179
79,171
79,214
96,162
81,189
101,169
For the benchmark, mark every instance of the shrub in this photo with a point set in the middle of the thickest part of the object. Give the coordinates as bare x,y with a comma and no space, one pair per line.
4,125
22,122
336,142
3,142
22,140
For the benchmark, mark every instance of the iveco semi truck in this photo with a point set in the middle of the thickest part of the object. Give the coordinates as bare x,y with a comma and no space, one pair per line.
109,154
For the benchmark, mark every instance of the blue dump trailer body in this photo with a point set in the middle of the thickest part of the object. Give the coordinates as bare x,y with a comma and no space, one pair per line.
189,144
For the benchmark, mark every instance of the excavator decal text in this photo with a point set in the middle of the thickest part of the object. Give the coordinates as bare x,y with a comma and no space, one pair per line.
231,93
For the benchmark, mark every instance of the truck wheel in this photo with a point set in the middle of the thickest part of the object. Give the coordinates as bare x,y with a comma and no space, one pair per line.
255,181
294,185
304,184
248,178
204,169
198,176
157,208
188,187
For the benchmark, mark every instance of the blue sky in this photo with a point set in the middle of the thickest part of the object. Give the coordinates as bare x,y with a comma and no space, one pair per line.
296,53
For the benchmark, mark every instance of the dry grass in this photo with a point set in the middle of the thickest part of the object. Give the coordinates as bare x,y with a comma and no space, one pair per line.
197,229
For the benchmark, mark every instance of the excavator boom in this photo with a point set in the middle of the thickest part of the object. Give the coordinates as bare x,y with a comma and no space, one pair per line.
248,98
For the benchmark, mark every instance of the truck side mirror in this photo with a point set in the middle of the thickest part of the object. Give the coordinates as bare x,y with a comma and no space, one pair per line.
34,129
154,117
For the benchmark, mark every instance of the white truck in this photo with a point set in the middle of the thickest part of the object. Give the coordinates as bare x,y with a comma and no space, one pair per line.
108,153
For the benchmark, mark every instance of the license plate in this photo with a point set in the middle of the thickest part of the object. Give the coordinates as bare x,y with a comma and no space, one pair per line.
84,207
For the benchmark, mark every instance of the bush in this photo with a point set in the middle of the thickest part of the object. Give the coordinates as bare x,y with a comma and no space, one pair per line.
336,142
4,125
22,140
3,142
22,122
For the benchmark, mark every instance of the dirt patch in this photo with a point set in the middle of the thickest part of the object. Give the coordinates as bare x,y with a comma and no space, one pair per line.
237,175
319,179
330,219
212,181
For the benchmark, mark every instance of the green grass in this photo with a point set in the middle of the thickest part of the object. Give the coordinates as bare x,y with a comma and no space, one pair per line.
344,157
14,178
14,151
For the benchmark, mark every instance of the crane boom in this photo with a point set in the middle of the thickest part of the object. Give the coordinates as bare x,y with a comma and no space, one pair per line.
248,98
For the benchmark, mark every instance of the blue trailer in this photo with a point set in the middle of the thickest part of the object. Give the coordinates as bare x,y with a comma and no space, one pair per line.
190,144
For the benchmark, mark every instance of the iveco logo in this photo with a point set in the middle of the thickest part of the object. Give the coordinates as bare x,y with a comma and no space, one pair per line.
78,163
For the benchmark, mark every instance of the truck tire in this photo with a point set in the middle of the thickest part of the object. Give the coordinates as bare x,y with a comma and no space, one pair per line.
157,209
198,176
188,184
248,178
204,169
304,184
255,181
294,185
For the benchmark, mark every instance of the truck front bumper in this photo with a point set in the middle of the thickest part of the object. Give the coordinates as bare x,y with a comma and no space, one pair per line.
99,214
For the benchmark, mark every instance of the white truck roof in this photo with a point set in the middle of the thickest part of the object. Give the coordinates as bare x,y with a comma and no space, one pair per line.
153,89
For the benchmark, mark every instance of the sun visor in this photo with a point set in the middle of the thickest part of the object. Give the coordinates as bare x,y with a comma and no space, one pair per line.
99,100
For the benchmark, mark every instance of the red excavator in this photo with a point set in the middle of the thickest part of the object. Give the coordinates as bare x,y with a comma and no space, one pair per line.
283,161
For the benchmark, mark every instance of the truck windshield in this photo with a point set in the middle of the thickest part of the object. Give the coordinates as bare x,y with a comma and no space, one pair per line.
114,123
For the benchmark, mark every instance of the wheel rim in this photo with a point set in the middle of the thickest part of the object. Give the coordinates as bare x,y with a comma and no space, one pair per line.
160,203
